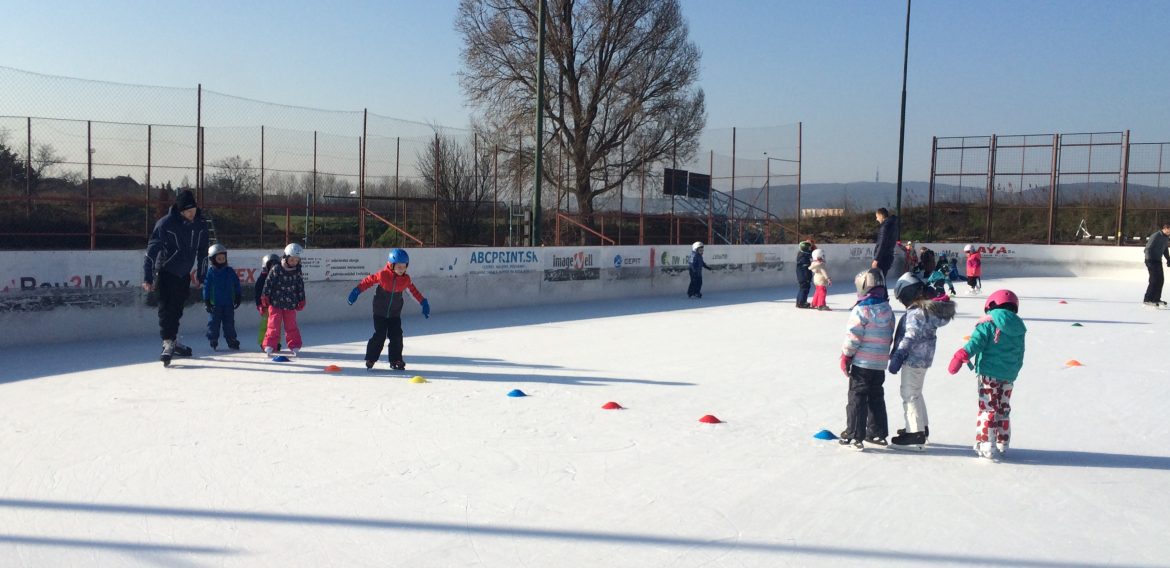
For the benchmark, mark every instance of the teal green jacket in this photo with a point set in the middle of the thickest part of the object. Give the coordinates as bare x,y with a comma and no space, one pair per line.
997,345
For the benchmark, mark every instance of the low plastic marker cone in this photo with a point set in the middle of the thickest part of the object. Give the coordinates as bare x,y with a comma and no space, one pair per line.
1062,302
1073,363
825,435
612,406
280,359
710,419
418,379
332,369
514,393
1077,325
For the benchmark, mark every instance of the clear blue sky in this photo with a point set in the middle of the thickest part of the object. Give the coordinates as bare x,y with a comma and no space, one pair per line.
1005,67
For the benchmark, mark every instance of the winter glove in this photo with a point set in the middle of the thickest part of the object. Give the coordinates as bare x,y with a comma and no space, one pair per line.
896,361
300,305
426,307
353,295
236,303
265,301
846,364
207,306
958,360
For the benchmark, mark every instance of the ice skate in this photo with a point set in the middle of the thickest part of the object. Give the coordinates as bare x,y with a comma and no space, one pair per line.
168,351
214,345
233,344
398,365
915,441
925,434
268,351
182,350
370,365
851,444
988,450
877,441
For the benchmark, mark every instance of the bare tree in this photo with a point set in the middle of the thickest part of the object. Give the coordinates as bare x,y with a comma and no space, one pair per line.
461,183
44,158
621,87
233,178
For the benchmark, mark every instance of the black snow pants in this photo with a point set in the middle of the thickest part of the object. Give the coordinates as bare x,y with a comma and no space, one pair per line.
172,295
384,327
866,411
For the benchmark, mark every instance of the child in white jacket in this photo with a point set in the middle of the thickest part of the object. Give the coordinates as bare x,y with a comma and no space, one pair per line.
820,279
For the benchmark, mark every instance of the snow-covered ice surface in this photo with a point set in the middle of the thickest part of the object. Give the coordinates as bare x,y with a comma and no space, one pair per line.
227,459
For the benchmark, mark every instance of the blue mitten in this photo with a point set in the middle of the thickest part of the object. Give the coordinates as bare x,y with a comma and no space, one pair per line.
426,309
353,295
896,361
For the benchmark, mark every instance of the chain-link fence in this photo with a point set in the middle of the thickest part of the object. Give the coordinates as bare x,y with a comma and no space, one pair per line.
1047,188
92,165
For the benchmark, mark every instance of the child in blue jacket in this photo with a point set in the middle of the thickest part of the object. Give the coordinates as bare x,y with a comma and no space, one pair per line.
695,266
221,297
996,352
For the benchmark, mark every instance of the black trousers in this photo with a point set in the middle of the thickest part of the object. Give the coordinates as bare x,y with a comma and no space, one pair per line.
866,411
803,286
383,327
1154,290
884,264
172,296
696,286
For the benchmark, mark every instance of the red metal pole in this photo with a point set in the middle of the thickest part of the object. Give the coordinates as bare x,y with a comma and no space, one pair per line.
642,208
737,240
799,164
262,189
1124,187
89,184
149,141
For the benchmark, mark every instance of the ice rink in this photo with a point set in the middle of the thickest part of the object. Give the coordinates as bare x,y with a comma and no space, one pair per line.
229,459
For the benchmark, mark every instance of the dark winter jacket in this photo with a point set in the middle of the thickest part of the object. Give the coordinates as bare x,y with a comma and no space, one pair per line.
260,285
388,297
696,264
926,262
803,261
176,245
285,287
222,286
916,335
887,236
1157,246
996,346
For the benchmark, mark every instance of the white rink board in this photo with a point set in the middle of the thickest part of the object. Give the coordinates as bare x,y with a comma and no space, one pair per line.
69,295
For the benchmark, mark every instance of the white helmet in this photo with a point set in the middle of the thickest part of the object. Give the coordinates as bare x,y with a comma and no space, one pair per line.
697,245
818,254
216,249
294,249
968,248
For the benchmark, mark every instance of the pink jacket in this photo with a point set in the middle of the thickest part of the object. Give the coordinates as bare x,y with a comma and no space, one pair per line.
975,264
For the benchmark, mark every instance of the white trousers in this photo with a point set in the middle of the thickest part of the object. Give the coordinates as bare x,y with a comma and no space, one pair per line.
913,405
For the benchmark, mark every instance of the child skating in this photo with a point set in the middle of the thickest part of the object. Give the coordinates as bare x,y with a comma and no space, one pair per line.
696,265
804,274
221,297
974,270
996,353
820,279
266,264
284,296
864,357
914,344
391,282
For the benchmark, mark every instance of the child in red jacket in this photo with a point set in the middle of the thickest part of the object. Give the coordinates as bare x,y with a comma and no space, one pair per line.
974,269
392,281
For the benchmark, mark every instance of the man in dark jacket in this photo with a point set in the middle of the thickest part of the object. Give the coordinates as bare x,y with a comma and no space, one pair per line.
887,235
1156,249
178,243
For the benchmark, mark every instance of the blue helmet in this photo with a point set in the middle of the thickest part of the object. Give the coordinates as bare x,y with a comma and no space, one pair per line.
398,256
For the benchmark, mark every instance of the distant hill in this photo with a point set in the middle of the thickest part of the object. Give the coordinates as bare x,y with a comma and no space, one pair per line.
868,195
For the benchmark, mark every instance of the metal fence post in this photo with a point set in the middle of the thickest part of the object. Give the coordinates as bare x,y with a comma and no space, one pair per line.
1124,187
990,189
930,189
1053,180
